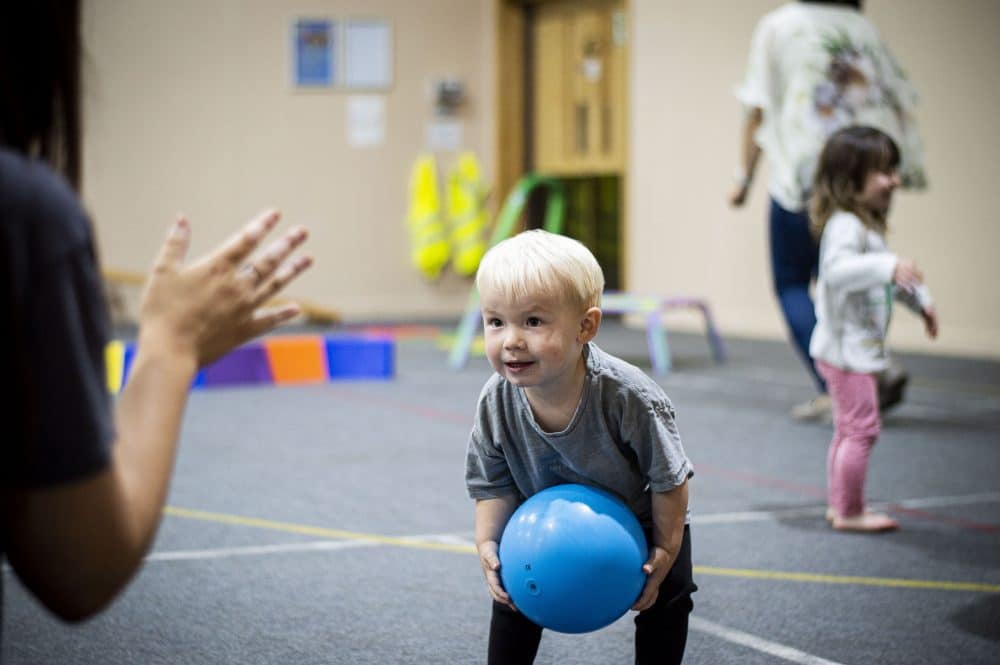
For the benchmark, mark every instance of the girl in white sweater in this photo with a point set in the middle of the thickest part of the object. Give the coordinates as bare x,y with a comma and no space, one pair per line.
858,279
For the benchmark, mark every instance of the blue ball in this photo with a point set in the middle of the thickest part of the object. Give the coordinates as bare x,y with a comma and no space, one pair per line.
571,558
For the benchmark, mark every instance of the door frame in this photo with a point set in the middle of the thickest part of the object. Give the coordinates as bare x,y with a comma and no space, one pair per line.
511,135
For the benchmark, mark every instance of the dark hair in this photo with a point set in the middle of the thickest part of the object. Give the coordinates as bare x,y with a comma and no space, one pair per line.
40,81
39,117
849,155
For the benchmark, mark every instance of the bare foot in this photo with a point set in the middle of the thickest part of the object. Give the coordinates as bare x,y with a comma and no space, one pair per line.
831,514
865,522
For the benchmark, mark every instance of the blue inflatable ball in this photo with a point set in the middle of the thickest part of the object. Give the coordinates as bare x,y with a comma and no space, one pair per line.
571,558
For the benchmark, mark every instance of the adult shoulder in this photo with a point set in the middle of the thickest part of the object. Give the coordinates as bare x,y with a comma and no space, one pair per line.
38,205
786,13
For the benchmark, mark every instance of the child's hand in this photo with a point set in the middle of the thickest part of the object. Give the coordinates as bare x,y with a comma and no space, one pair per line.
490,561
906,275
656,569
931,321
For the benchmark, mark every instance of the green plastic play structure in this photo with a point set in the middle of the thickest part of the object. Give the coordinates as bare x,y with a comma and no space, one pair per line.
555,209
651,307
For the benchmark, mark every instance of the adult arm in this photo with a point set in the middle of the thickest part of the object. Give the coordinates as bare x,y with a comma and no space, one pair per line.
76,545
749,156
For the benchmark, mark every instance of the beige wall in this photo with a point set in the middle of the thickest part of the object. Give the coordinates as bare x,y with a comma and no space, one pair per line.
189,108
687,58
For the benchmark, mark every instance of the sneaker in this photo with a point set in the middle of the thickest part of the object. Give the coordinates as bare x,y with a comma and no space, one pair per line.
891,384
818,409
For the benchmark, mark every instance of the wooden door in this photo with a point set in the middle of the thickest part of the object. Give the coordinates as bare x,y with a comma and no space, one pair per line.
578,92
562,111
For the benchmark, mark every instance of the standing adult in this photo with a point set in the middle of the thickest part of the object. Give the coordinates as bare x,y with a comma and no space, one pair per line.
82,481
813,68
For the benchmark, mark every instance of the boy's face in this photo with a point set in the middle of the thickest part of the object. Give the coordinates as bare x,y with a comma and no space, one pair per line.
536,342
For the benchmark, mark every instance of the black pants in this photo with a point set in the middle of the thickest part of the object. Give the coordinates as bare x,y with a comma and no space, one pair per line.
660,631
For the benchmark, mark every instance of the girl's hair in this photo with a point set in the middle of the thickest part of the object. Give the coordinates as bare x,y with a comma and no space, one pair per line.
537,261
849,155
40,56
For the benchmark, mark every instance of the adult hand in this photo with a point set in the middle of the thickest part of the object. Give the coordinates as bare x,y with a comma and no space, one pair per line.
738,196
208,307
490,562
931,321
656,569
906,275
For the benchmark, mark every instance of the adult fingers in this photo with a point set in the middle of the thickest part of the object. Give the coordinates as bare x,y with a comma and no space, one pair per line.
239,246
271,259
737,196
265,320
280,249
282,277
176,245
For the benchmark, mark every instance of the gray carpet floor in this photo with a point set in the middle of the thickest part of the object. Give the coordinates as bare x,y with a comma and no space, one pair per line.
330,524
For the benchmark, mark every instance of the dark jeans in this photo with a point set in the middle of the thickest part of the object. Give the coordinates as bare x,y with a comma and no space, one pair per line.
660,632
794,264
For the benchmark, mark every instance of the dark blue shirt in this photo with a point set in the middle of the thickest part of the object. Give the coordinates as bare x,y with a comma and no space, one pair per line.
58,422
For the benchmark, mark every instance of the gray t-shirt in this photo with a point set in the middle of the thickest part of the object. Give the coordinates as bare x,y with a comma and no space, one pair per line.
622,438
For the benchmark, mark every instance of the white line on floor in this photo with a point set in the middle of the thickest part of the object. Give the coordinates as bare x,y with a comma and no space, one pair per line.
756,515
283,548
462,538
255,550
757,643
786,386
771,515
941,501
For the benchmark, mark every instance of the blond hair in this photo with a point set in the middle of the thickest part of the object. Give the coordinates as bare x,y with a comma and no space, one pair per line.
538,262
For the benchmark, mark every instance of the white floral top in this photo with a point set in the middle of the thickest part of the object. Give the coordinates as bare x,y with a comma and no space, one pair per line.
813,69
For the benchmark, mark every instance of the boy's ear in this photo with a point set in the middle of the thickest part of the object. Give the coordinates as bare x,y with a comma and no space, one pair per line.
589,325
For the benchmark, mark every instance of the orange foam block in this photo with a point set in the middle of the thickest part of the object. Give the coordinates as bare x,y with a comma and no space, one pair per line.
297,359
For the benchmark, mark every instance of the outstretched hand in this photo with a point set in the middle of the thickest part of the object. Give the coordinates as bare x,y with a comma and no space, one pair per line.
208,307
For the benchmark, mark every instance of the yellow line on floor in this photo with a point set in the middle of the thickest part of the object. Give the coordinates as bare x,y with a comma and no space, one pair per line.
744,573
747,573
320,532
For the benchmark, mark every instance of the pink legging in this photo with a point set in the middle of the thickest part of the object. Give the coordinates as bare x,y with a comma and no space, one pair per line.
856,426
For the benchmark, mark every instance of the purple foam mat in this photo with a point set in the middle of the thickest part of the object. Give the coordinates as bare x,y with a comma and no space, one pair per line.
247,364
